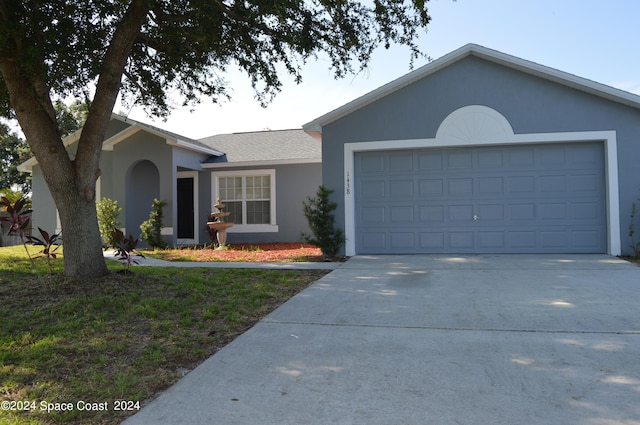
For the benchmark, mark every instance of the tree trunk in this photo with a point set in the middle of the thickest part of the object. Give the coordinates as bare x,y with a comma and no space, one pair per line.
83,257
72,183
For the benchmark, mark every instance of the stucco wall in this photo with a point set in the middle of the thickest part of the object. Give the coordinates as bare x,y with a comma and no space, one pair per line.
530,104
134,191
294,183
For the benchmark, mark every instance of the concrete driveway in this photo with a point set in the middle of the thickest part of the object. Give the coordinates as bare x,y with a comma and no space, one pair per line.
502,339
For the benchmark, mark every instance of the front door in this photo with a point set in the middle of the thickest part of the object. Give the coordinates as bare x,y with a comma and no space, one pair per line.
186,208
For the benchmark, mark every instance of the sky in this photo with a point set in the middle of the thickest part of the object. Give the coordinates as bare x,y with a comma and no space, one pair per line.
596,40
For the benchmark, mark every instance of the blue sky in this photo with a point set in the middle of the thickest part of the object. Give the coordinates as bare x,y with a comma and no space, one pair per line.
592,39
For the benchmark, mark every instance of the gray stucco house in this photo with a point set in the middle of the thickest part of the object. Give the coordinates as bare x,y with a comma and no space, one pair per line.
483,152
262,177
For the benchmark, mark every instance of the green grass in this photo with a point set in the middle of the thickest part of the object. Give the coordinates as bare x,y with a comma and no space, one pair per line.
120,337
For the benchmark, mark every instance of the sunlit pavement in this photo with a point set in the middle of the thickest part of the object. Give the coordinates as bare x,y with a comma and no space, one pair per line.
487,339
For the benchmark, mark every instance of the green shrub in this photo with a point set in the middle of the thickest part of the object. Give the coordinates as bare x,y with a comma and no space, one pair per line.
108,211
319,214
152,228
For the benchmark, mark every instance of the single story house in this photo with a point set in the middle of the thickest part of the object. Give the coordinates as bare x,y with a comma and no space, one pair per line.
262,178
483,152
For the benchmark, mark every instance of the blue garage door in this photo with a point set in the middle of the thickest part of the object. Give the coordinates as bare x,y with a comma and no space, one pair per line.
517,199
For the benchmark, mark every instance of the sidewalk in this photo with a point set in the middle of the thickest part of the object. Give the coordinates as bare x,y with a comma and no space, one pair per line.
147,261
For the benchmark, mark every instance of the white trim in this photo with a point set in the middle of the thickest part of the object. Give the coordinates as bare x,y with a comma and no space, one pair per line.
608,137
250,228
269,163
314,127
192,147
196,212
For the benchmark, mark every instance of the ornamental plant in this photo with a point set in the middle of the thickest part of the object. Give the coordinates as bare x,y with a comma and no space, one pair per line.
319,214
152,228
19,218
49,244
108,212
125,249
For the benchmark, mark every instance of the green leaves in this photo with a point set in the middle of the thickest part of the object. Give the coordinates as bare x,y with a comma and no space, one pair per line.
187,45
319,214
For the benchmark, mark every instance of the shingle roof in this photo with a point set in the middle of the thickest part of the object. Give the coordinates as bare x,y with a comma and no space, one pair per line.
273,145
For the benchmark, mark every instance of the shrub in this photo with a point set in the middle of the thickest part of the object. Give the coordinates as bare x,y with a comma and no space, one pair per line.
108,211
319,214
125,249
152,228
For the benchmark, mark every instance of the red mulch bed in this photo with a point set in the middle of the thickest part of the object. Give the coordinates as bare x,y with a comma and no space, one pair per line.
263,252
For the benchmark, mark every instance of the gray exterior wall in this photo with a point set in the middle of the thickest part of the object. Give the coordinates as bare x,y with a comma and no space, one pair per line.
44,209
136,190
530,104
294,183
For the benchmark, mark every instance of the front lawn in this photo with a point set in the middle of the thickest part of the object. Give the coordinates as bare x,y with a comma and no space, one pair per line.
66,346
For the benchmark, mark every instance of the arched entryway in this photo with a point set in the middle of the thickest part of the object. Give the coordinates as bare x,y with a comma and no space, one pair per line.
142,186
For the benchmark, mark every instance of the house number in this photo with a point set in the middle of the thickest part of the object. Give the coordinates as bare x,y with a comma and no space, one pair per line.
348,185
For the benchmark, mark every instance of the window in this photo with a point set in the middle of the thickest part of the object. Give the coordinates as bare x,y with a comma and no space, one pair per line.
249,197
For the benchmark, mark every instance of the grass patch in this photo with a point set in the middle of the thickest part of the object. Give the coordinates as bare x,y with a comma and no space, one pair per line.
120,337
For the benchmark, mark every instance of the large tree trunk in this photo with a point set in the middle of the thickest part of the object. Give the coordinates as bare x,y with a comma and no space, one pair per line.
83,256
72,183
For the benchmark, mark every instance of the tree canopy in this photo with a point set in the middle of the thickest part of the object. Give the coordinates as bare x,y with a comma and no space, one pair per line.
13,150
146,49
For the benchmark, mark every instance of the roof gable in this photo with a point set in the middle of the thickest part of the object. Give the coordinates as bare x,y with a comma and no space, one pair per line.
314,127
120,133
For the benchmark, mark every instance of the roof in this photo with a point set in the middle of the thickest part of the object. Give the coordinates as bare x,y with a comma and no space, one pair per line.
314,127
172,138
263,147
134,126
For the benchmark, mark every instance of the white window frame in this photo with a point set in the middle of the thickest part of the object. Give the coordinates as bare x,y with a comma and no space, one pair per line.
248,228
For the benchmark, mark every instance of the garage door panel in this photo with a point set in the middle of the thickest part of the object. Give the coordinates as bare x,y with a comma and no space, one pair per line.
493,240
401,215
522,240
372,190
589,183
521,185
430,161
430,187
400,161
551,184
525,199
461,240
490,185
490,159
432,241
402,240
373,216
460,187
493,212
459,160
401,189
586,211
522,212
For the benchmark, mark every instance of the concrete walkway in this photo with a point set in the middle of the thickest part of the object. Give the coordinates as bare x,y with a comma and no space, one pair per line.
389,340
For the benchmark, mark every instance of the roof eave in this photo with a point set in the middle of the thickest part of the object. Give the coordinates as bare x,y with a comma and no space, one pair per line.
314,128
211,165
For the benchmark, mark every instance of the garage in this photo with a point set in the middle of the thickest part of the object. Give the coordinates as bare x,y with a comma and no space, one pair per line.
482,152
534,198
